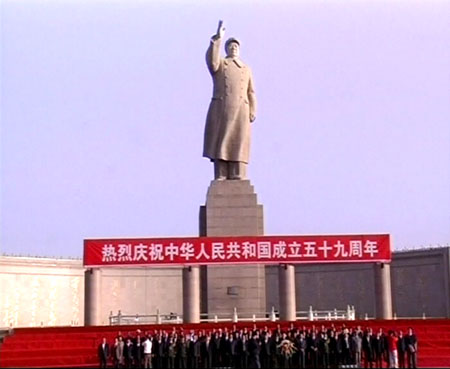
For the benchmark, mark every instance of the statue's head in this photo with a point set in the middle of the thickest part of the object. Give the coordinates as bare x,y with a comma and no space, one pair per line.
232,46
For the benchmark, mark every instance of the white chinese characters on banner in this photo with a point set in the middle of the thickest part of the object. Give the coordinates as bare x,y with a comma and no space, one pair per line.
156,252
202,254
124,252
371,248
233,251
140,252
187,250
310,249
279,250
109,253
356,248
248,250
263,251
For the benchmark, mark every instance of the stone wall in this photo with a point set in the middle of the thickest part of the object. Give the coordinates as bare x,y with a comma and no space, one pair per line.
420,284
328,286
141,291
50,292
41,291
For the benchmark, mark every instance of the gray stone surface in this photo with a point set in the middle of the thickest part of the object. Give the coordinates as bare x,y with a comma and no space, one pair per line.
328,286
420,283
419,280
48,291
141,291
232,210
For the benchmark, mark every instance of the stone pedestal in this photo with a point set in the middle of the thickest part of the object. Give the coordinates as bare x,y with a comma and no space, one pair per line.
232,210
286,283
383,294
92,296
191,294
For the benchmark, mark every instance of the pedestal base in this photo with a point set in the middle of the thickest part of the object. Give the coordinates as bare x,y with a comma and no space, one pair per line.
232,210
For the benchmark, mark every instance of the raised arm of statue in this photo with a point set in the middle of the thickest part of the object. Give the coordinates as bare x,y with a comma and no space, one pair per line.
220,30
213,52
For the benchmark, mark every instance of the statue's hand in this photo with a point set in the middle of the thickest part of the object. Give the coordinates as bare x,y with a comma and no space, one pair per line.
252,118
220,29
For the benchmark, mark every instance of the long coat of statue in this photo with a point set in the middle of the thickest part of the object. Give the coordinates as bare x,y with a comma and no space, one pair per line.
227,130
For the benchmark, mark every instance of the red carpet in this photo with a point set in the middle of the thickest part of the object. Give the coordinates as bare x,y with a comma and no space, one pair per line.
77,346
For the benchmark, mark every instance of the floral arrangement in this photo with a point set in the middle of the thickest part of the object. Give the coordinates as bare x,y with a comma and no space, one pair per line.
287,348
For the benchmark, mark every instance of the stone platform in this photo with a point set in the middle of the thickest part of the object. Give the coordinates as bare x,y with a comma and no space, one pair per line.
232,209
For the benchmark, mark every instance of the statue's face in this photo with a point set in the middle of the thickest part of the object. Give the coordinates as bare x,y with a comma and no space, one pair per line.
233,50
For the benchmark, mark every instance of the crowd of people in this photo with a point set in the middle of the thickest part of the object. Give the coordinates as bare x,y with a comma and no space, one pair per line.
295,347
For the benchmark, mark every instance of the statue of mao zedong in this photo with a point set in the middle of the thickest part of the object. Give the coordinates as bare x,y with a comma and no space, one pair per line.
232,109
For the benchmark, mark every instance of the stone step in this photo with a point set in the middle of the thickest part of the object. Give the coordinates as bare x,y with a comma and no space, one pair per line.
220,211
230,187
232,200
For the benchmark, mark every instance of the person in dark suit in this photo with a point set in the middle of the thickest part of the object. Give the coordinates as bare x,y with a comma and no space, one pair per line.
159,350
384,347
197,360
300,346
225,350
208,353
181,352
190,350
411,348
324,349
103,353
235,354
128,353
332,348
401,349
253,352
273,342
312,348
265,351
138,351
171,352
243,349
368,351
377,347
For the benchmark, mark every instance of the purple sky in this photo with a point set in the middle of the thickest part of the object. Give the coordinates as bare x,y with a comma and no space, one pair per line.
104,104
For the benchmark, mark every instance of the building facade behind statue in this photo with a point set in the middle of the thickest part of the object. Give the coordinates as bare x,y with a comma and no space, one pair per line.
50,292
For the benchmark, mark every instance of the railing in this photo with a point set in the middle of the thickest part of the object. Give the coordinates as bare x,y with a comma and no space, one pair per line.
273,315
124,319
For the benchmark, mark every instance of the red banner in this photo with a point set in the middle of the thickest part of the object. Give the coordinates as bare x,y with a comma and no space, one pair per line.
237,250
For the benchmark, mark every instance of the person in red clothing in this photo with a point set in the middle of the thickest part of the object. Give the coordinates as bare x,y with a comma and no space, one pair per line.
392,349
